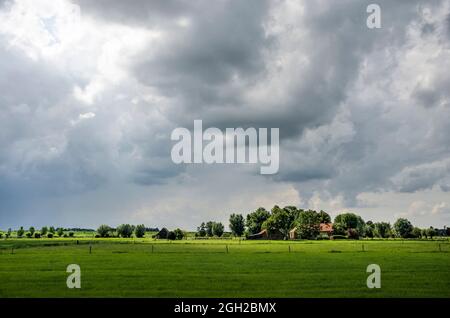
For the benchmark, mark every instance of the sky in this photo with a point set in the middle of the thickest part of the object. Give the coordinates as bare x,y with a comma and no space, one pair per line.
90,92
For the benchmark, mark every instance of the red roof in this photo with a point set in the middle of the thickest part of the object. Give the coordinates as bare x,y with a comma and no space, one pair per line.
326,227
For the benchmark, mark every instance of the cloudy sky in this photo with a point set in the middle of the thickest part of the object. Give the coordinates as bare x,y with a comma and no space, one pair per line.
90,92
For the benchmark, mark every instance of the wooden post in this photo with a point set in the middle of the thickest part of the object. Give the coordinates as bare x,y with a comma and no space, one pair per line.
90,249
12,250
289,248
226,248
363,247
440,247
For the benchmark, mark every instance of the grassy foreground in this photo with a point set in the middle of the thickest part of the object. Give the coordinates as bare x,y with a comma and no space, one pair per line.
214,268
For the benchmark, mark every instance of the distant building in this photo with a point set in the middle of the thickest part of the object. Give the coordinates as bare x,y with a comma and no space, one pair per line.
265,235
325,229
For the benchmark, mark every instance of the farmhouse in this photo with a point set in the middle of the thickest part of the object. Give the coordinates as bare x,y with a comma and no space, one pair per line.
326,229
265,235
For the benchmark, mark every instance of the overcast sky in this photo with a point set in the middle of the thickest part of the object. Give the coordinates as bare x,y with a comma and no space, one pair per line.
88,102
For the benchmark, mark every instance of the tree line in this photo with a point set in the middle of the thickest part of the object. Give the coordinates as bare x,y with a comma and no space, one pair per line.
46,231
306,224
278,221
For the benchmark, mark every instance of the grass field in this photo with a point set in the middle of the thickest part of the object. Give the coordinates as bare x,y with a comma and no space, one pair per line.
219,268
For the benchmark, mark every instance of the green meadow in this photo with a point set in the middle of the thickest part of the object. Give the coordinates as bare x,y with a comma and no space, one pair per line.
223,268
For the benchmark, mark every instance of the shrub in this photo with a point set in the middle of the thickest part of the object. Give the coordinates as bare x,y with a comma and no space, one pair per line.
338,237
37,235
171,235
71,234
97,235
1,235
65,235
28,234
353,234
49,235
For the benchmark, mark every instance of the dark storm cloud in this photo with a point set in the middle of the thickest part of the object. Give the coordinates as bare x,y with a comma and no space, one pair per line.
142,12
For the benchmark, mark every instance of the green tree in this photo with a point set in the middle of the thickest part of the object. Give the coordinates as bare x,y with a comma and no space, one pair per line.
171,235
125,230
324,217
350,224
382,229
20,232
44,230
179,234
139,231
403,228
201,230
423,233
163,233
293,211
308,224
256,219
431,232
237,224
32,230
209,228
52,230
60,231
217,229
369,230
281,220
416,232
103,230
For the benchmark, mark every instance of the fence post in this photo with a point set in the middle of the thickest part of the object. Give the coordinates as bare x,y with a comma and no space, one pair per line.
90,249
363,247
289,248
440,247
226,248
152,248
12,250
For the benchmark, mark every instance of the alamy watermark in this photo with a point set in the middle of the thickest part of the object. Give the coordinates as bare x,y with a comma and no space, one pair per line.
74,279
374,279
374,19
236,145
